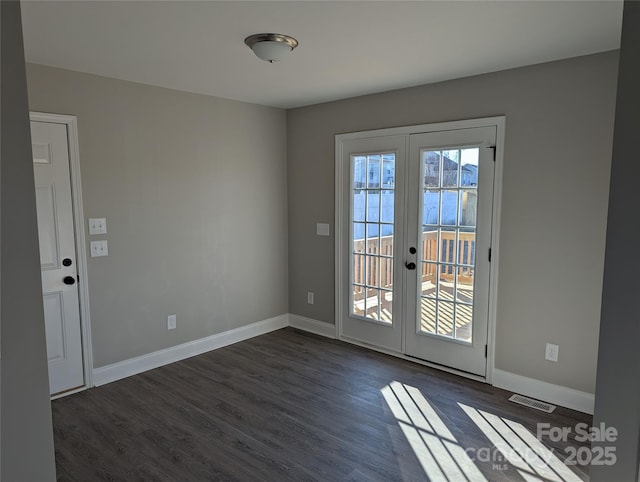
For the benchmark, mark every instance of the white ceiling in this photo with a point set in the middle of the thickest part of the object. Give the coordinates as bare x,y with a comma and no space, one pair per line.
347,48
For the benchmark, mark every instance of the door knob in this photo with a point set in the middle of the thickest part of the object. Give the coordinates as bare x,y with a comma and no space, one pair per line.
410,265
68,280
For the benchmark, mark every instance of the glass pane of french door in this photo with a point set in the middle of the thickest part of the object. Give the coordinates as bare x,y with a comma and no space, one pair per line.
449,195
372,235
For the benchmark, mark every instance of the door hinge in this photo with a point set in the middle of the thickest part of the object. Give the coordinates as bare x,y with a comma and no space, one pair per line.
493,148
489,255
486,350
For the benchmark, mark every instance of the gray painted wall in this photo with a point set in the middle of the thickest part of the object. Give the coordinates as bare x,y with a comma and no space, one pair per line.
556,175
618,385
194,192
26,430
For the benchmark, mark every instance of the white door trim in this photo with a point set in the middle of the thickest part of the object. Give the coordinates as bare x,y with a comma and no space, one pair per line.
78,220
499,123
495,246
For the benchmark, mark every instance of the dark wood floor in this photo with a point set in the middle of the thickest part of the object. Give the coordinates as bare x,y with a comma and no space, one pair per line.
293,406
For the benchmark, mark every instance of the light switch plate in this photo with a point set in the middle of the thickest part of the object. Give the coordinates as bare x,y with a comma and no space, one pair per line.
322,229
99,248
551,352
97,225
171,322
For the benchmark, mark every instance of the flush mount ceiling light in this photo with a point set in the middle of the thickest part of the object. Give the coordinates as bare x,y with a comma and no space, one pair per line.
271,47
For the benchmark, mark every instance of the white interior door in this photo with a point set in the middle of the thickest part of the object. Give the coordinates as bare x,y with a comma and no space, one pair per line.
374,219
57,255
449,212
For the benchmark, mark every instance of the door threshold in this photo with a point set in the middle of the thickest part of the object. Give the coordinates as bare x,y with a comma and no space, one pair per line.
71,391
419,361
446,368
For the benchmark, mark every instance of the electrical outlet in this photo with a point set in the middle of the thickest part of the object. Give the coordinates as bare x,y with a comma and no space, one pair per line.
171,322
310,297
551,352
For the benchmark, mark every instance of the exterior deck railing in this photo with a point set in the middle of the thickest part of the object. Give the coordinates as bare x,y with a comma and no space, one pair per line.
375,271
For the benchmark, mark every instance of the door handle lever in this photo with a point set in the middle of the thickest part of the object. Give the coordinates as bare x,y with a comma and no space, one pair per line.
68,280
410,265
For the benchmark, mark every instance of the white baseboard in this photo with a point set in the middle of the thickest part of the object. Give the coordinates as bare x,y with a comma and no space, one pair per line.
133,366
547,392
312,326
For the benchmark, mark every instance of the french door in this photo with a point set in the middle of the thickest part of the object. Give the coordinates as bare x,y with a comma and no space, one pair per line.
375,223
414,242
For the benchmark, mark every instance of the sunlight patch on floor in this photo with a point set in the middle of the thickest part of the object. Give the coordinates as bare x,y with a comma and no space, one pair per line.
510,444
439,453
521,448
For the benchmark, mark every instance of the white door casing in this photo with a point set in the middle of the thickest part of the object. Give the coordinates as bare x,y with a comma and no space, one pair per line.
482,137
67,346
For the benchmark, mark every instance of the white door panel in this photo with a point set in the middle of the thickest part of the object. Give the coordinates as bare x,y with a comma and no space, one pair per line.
54,326
57,255
47,227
